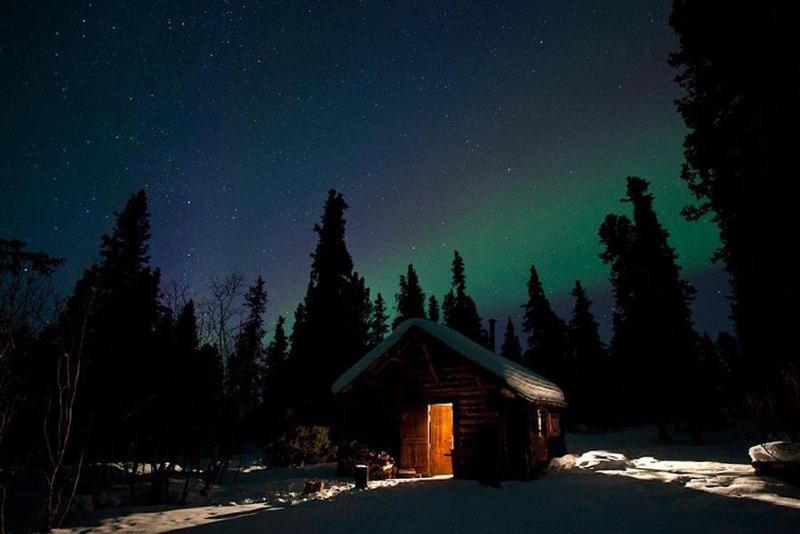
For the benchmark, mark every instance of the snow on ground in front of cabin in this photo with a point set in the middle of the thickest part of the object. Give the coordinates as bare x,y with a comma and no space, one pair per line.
721,468
245,489
619,481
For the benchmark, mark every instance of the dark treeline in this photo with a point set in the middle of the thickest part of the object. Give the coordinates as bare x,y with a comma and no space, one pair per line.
740,156
129,376
131,380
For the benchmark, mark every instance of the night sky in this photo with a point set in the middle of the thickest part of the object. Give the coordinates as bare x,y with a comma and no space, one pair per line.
503,130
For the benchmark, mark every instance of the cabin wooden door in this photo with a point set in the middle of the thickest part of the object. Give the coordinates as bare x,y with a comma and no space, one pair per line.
441,439
414,441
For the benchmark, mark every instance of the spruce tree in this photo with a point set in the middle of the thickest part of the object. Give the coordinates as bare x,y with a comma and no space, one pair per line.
331,332
209,400
433,309
449,309
460,312
187,388
296,380
186,338
588,367
730,356
459,277
121,358
379,323
245,365
210,386
184,413
357,301
162,411
275,361
741,109
410,300
511,347
298,335
547,336
707,384
275,387
185,347
653,335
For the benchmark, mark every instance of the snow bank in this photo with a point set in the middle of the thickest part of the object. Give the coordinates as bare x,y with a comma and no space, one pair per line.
602,461
591,461
775,451
563,463
719,469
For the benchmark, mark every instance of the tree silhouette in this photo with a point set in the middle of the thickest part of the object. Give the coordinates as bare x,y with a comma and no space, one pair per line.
459,310
275,393
741,108
433,309
379,323
410,299
589,367
25,296
709,383
547,335
511,347
121,357
297,381
245,364
299,334
357,301
183,376
221,311
331,327
653,336
184,408
730,357
277,352
210,402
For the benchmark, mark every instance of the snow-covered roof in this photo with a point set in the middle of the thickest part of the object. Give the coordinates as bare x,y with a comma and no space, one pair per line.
520,379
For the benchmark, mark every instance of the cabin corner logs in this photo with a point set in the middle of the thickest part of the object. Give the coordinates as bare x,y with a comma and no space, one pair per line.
439,412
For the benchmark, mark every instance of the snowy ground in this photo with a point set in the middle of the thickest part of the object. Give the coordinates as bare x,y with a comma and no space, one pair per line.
645,487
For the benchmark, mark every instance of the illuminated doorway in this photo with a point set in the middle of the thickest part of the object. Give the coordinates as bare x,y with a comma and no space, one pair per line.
426,435
441,439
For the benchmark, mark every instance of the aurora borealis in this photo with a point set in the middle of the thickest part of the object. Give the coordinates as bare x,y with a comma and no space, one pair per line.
502,130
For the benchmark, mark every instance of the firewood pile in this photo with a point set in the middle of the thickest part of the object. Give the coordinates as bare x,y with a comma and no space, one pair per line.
313,486
381,464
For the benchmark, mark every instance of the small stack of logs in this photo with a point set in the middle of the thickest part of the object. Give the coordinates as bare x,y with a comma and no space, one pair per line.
313,486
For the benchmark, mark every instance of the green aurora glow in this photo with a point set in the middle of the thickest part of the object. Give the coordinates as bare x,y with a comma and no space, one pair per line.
551,222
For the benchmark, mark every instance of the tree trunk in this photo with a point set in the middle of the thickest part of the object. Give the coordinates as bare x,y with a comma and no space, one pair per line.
188,474
132,482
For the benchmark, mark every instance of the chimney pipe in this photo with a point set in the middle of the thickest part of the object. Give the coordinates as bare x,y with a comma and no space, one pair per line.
492,323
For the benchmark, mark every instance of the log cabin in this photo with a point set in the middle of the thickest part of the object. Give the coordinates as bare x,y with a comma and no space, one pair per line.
445,405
